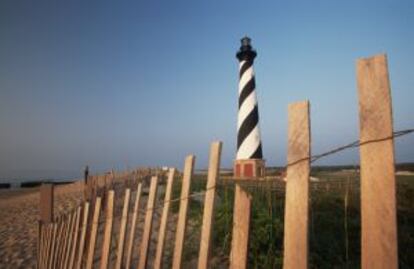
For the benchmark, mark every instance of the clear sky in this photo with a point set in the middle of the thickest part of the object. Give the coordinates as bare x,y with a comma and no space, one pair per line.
123,84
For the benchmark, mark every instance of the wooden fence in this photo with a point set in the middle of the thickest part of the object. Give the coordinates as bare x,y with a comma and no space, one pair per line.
71,240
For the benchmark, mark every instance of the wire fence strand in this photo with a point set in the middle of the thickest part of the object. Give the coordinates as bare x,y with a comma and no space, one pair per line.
314,158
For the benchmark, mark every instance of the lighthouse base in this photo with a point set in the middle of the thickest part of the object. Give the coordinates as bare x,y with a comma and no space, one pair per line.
249,169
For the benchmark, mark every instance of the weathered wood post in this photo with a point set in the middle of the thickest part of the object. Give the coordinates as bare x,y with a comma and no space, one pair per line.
52,248
46,202
122,231
106,244
297,188
241,227
46,248
72,234
378,201
93,233
164,218
82,235
46,217
146,235
133,225
208,213
182,213
59,242
64,239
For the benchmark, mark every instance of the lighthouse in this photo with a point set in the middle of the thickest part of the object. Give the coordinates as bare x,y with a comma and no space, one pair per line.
249,161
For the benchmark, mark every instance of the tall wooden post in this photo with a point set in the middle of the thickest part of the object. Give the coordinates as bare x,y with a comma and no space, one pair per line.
208,213
146,235
133,225
93,233
378,201
106,244
241,227
297,188
164,218
46,202
122,230
82,236
182,213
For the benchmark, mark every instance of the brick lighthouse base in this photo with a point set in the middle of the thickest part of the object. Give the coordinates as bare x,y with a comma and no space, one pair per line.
249,168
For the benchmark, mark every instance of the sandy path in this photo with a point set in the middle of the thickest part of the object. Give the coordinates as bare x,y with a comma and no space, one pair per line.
19,214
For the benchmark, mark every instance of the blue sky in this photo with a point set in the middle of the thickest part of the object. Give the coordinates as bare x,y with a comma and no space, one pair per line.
114,84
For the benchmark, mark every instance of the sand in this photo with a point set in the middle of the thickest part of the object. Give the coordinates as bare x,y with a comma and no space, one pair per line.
19,214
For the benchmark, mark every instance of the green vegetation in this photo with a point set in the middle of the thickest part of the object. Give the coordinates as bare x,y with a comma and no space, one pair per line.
334,222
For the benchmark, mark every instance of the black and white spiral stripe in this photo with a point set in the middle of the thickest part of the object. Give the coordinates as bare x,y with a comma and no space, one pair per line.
249,144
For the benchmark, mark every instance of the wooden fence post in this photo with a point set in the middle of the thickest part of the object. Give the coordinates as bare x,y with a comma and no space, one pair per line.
53,249
297,188
146,236
378,193
60,229
39,242
69,241
75,238
46,202
67,221
108,230
208,213
50,249
120,251
46,217
40,249
46,245
133,225
94,230
83,234
67,218
164,218
182,214
241,227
